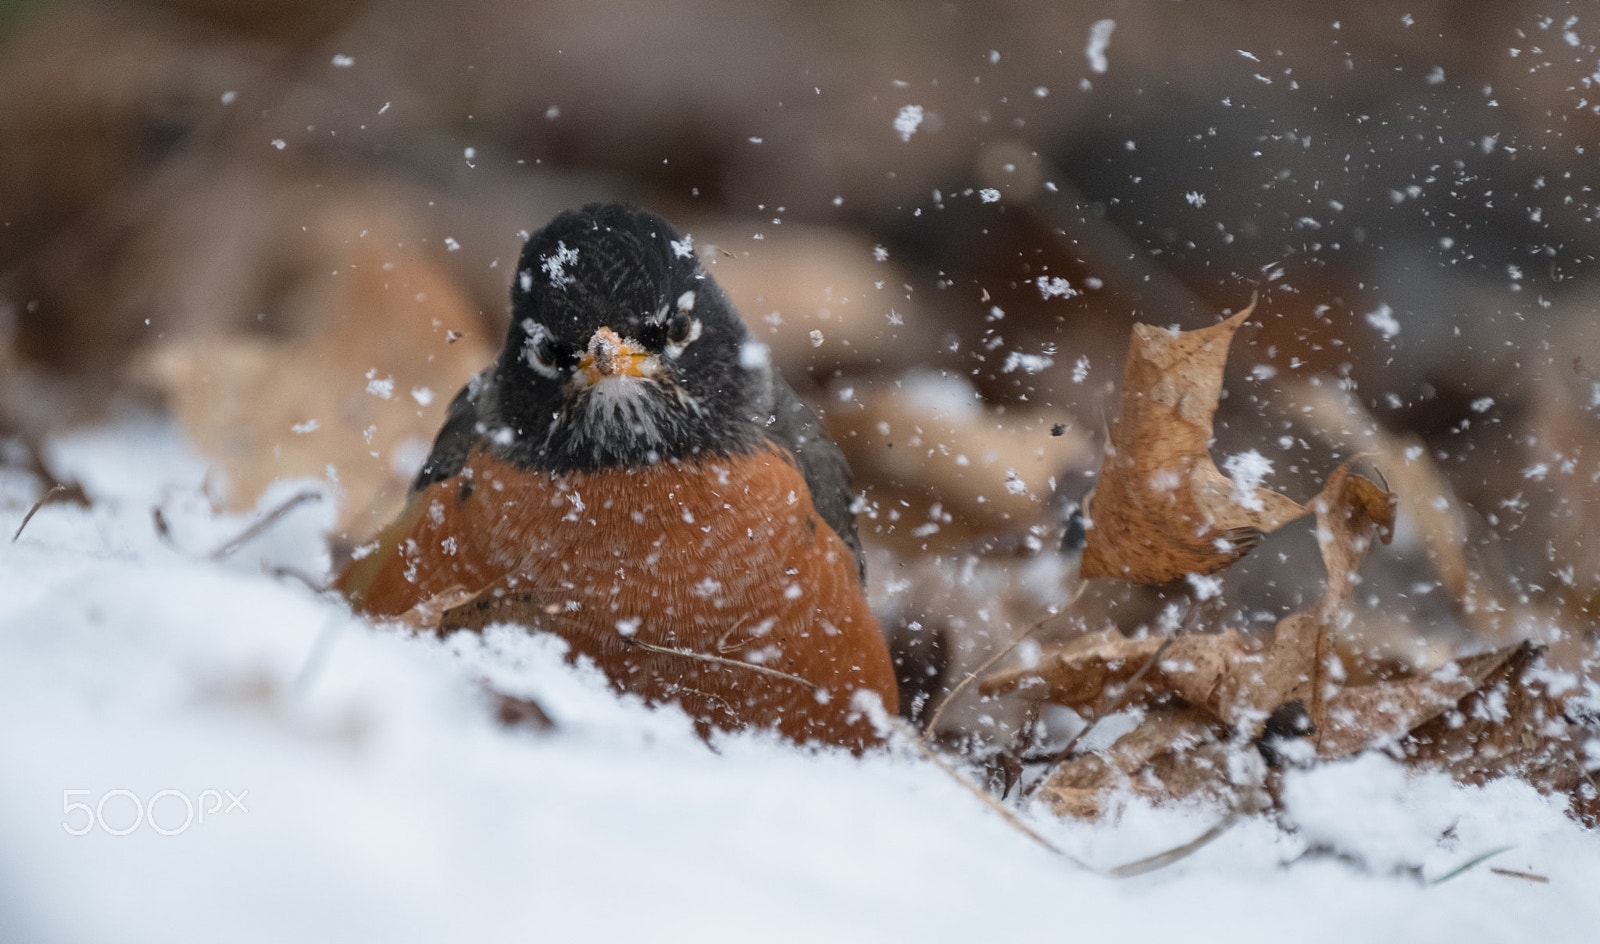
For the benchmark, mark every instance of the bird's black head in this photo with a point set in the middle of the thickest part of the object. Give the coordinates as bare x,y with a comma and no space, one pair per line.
622,350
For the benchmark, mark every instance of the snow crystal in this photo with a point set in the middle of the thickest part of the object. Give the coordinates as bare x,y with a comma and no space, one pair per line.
342,61
380,387
628,627
422,395
816,337
552,113
753,355
450,243
555,264
1099,39
1205,588
1027,363
1080,369
279,143
1247,469
1054,287
989,195
1383,319
880,254
1482,404
907,121
309,426
1195,198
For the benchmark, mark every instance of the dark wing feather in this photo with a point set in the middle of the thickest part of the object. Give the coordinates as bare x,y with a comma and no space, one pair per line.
795,428
455,440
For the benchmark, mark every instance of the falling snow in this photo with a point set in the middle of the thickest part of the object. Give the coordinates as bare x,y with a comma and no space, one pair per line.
555,265
908,121
1248,470
1384,320
1099,39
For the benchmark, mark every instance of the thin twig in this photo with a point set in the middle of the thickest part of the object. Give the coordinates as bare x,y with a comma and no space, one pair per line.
1530,876
44,499
708,657
266,521
916,741
318,656
1116,704
933,722
1163,859
1470,863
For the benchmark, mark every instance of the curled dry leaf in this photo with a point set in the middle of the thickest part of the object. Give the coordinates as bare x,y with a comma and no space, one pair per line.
1223,673
1162,509
1090,671
1426,501
1176,751
1368,715
1351,510
1522,720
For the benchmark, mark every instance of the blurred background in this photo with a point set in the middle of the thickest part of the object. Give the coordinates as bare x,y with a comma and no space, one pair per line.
291,225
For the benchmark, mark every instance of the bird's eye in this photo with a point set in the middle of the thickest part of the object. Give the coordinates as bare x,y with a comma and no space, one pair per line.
682,329
678,327
546,355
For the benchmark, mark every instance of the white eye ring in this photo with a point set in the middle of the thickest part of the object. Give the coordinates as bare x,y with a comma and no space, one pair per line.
537,333
674,349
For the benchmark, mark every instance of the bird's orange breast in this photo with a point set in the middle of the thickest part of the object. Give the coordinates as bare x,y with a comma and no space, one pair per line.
724,561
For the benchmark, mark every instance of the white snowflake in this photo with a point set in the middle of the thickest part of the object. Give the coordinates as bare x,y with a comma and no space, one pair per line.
907,121
555,265
1099,39
1054,287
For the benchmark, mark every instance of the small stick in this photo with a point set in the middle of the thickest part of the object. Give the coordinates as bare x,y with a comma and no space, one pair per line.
1163,859
708,657
44,499
266,521
933,722
1116,704
1530,876
916,740
321,647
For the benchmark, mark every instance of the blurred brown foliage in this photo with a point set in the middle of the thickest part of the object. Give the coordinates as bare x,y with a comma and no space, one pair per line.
200,201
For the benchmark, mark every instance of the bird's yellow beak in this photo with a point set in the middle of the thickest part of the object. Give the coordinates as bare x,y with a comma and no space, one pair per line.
609,354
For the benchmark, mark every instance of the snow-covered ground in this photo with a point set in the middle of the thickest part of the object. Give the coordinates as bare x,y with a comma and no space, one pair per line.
375,797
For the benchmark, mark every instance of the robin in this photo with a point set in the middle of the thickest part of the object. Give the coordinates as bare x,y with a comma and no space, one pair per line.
632,475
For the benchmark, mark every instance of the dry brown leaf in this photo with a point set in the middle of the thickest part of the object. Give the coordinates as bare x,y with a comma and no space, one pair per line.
1351,510
1370,715
340,399
1161,508
1513,724
1426,500
1176,751
1078,675
1238,684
